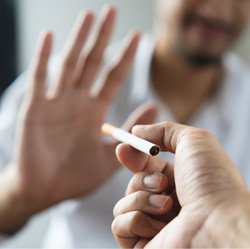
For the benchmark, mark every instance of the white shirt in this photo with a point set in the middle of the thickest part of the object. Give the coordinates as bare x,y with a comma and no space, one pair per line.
86,222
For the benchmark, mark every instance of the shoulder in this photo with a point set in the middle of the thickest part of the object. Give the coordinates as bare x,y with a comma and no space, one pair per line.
237,78
237,67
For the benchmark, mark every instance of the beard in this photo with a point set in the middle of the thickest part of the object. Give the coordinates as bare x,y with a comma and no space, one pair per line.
198,60
203,58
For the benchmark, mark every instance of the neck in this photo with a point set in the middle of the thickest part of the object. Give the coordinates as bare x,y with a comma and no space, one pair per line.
182,87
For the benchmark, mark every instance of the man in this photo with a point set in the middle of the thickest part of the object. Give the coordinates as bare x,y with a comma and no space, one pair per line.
212,209
184,69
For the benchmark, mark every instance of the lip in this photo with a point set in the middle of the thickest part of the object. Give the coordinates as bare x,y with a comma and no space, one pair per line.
208,33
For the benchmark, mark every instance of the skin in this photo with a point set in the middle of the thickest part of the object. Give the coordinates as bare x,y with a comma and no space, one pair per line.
59,170
212,198
57,132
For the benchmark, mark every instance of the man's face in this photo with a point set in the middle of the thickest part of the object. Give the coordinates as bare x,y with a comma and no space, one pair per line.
203,28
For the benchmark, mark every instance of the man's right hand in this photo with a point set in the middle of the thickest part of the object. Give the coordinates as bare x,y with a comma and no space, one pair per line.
61,154
200,201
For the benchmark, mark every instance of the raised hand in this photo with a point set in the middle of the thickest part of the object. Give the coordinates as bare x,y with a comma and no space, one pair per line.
61,154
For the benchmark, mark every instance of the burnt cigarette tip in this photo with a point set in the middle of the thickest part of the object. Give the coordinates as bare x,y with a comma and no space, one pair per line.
155,150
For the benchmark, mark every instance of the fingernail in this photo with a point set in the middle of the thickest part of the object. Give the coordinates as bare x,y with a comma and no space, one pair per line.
158,201
152,181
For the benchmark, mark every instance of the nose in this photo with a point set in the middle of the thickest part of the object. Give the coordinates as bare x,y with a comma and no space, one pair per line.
223,10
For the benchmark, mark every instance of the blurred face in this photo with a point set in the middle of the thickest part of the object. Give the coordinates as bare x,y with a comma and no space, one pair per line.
202,30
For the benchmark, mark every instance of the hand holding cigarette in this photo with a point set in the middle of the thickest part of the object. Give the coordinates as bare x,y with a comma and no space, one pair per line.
128,138
202,186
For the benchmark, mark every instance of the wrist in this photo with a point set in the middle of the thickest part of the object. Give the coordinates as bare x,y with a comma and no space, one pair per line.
15,208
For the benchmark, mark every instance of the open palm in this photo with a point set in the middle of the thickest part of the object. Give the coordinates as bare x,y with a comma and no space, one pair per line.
62,154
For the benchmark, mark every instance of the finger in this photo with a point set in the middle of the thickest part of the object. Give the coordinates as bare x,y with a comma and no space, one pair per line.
137,161
149,203
153,182
38,70
73,49
141,243
117,71
167,134
130,227
94,58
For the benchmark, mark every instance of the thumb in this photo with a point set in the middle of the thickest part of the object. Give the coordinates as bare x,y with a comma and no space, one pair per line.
166,134
197,151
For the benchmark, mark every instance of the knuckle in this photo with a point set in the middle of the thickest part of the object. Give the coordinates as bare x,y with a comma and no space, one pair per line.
136,183
136,218
93,59
114,74
38,74
140,199
203,133
192,135
167,124
116,209
67,63
115,226
198,132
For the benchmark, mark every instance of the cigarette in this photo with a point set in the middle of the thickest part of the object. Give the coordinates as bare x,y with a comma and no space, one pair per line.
128,138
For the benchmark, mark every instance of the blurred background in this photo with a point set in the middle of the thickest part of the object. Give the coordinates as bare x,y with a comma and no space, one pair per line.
20,24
